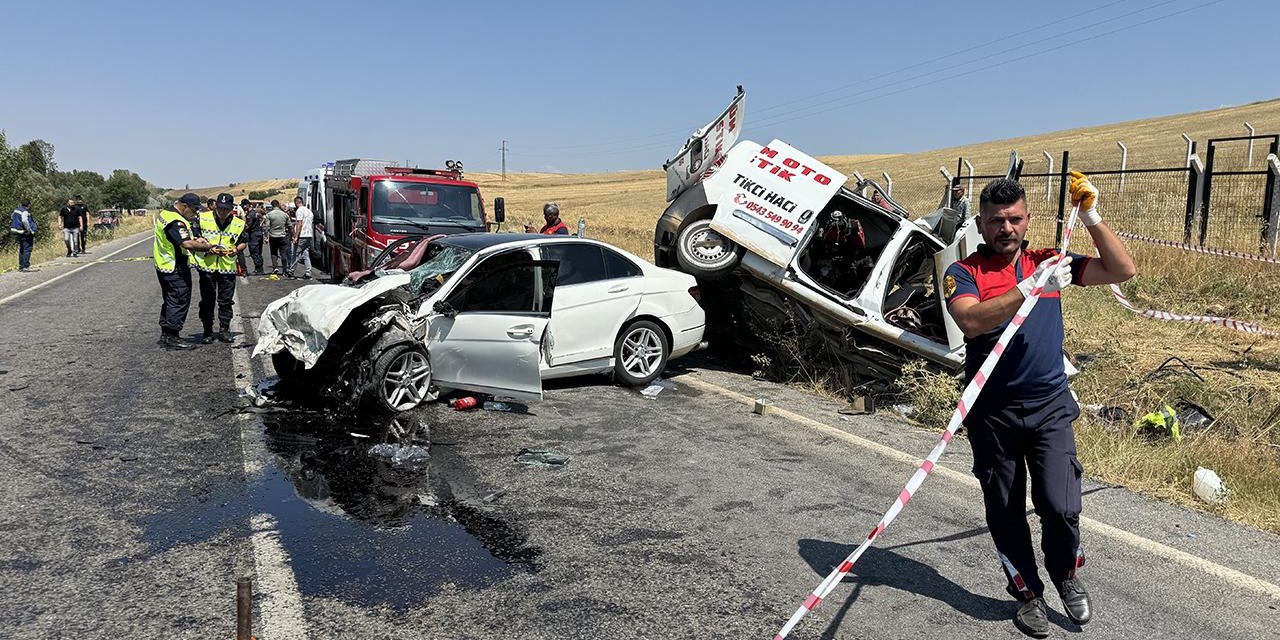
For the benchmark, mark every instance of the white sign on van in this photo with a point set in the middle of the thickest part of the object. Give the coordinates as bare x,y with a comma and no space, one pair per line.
767,197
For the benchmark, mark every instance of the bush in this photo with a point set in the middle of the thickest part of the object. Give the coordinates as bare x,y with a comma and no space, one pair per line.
263,195
933,394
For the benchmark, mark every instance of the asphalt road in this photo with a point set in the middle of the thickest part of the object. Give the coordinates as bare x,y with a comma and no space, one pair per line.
138,486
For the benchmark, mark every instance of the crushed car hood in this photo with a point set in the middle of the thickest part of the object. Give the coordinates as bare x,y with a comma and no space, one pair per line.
303,321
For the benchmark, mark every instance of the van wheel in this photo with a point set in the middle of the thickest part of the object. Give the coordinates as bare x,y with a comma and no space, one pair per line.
703,253
401,379
640,353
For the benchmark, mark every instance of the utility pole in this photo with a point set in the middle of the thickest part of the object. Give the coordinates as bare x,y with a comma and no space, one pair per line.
503,149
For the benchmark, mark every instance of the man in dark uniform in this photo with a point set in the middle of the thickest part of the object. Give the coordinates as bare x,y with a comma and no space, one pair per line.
169,251
82,212
253,233
222,234
1020,425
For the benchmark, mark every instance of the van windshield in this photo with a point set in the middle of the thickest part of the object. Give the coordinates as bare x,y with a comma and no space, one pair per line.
419,204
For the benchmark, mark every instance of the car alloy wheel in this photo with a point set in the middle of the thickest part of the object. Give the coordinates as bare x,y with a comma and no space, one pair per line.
642,352
408,377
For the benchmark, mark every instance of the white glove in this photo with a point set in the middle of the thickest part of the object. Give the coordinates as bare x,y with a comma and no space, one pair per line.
1085,196
1058,281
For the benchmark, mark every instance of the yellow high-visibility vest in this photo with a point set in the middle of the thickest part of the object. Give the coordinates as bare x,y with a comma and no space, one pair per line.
226,238
163,252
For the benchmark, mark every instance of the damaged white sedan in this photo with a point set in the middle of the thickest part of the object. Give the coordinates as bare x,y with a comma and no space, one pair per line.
490,313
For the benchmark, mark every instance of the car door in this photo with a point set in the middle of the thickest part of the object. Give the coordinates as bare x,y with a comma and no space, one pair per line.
596,291
488,334
767,198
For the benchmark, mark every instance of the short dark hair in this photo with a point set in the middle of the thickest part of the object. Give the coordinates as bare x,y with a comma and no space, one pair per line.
1001,191
26,202
298,198
79,198
275,203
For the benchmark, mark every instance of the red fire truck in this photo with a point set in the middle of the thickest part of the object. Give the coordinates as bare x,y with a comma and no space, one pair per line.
363,205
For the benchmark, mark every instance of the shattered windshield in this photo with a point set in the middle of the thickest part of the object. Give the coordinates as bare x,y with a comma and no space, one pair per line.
440,263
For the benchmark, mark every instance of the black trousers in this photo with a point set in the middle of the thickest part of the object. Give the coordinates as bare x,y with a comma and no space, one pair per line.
216,288
175,289
1013,440
255,250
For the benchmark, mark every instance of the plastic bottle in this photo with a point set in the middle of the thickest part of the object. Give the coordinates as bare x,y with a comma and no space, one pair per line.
462,404
1208,486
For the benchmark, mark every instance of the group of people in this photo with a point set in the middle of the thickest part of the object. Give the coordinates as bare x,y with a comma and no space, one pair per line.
213,236
75,226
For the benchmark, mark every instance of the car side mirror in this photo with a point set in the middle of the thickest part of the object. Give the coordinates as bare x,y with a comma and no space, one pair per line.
499,210
444,308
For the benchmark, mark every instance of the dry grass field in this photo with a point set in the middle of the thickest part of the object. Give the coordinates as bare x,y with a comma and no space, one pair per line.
1116,350
286,187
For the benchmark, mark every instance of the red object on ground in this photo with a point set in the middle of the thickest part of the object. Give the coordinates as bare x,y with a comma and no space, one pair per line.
462,404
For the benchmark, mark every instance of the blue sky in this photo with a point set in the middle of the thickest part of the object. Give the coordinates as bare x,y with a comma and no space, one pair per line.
209,93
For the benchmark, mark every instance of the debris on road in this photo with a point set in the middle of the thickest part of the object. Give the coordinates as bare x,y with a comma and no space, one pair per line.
656,387
1208,486
1162,423
762,407
400,454
504,406
537,458
859,406
464,404
1109,414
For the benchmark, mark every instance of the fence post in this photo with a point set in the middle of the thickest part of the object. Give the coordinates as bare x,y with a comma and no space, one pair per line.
946,174
1062,197
1048,184
1271,210
888,183
1206,199
969,166
1195,193
1190,148
1249,127
1124,162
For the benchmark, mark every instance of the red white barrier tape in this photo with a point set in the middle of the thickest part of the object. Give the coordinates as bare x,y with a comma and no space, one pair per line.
1237,325
967,399
1224,253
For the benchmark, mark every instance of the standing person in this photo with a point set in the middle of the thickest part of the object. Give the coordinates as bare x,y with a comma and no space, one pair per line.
253,233
82,210
23,226
303,232
169,252
554,226
277,236
70,228
1021,425
221,231
959,201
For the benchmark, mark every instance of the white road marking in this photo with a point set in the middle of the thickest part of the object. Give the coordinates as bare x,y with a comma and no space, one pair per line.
79,268
1227,574
280,603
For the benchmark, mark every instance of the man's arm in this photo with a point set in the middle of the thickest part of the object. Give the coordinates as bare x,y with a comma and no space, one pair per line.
1113,265
976,318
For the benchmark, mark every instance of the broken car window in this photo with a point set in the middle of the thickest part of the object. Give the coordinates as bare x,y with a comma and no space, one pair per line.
910,301
440,263
845,246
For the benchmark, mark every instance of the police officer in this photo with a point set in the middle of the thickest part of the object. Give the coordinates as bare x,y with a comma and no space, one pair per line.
169,251
216,264
1020,425
253,233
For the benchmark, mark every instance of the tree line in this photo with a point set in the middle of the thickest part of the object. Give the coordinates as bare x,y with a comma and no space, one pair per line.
29,171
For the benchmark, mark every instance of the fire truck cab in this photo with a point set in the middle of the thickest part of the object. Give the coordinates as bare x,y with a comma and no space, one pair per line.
361,206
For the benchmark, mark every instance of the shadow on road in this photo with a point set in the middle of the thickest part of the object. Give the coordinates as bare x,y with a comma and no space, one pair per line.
885,567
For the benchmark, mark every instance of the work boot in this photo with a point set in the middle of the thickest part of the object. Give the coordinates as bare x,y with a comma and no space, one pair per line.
224,336
1033,618
175,343
208,337
1075,600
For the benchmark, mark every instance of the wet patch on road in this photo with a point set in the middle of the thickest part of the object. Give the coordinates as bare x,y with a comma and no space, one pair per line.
369,513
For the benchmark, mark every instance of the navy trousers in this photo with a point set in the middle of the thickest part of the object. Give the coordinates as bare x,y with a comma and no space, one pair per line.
1013,441
176,291
216,290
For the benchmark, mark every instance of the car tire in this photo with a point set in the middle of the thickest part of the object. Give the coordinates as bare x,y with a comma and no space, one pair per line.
401,379
703,253
287,367
640,353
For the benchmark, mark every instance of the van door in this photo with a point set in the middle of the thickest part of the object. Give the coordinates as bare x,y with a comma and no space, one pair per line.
965,242
488,336
767,198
